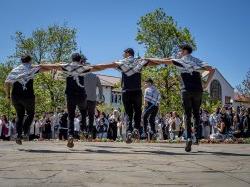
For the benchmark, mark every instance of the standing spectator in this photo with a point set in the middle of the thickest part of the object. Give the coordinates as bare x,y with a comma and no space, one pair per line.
1,128
165,129
246,124
102,126
174,126
215,120
225,119
35,129
63,126
113,122
55,124
241,123
205,124
151,106
91,82
47,127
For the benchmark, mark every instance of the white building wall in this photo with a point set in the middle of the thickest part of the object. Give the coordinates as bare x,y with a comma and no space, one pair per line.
226,89
107,94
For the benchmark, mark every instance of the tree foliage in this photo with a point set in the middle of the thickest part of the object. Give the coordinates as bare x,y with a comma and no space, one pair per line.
244,87
208,103
161,36
52,44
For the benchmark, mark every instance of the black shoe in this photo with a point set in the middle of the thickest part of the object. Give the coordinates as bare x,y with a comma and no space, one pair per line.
70,142
129,138
188,147
18,141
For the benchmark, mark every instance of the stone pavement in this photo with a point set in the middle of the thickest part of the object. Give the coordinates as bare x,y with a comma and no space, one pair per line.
118,164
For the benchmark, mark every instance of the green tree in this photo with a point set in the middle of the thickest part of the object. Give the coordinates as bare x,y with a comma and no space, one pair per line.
208,103
244,87
53,44
5,107
161,36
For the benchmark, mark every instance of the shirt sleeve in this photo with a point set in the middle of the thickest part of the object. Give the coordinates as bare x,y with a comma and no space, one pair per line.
99,86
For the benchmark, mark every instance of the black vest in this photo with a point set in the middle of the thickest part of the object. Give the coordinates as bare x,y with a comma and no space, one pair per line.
19,93
72,88
131,83
191,82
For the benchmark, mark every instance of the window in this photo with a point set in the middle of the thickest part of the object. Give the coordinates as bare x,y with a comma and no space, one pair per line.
215,90
116,97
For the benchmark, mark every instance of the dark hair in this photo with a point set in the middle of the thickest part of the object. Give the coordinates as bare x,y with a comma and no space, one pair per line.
26,58
149,80
186,47
76,57
130,51
104,115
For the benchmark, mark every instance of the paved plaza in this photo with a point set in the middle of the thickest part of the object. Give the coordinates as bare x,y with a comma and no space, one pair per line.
118,164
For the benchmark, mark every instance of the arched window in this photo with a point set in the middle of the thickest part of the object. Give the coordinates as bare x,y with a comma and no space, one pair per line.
215,90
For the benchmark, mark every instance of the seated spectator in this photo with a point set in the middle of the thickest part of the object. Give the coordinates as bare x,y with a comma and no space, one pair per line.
221,133
102,126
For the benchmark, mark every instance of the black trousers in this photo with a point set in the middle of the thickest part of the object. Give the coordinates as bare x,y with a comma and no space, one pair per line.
112,131
132,101
72,103
149,114
90,112
63,133
22,107
191,104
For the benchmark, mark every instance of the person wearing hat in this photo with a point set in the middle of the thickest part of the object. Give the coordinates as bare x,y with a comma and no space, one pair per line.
130,68
191,87
19,88
75,90
151,106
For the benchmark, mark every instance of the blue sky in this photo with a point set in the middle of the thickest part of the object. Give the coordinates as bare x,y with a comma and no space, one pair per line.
106,27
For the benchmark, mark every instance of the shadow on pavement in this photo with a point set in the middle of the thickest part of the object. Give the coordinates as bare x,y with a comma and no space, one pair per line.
106,151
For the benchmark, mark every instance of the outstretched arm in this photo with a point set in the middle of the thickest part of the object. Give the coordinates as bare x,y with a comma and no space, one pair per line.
158,61
49,67
100,67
